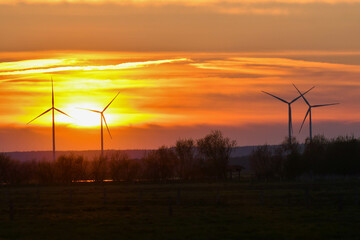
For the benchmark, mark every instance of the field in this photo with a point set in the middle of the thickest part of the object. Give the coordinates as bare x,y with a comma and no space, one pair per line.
231,210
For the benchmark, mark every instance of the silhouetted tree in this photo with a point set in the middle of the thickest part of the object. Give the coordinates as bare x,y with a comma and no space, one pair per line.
45,172
134,172
6,165
123,168
343,156
99,168
160,164
64,169
266,163
167,162
314,156
215,149
292,163
69,168
80,168
185,151
13,171
151,166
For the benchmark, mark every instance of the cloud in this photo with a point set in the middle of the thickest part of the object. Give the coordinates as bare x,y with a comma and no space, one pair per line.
120,66
252,11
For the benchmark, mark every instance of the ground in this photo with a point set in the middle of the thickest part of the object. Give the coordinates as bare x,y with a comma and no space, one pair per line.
326,209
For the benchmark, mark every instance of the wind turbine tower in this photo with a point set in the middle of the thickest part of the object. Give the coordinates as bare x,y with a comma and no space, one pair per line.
53,109
309,111
289,107
102,118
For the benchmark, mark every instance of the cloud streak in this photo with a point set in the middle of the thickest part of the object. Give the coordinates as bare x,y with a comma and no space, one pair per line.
121,66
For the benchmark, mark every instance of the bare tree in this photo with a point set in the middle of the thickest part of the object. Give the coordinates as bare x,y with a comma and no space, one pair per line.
151,166
215,150
262,162
45,172
119,166
160,164
5,168
13,171
64,168
167,162
80,168
99,168
185,151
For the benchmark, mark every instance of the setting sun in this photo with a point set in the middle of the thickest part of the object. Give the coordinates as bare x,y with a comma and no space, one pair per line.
82,118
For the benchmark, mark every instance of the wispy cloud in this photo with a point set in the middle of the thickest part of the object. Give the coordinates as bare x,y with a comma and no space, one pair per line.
128,65
271,66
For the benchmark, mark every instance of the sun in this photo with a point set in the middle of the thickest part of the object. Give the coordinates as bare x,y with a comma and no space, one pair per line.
82,118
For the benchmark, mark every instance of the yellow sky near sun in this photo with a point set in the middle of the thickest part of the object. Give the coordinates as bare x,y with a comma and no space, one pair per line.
68,70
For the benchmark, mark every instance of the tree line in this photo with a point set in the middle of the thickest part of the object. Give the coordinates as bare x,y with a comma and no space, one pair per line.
321,156
188,159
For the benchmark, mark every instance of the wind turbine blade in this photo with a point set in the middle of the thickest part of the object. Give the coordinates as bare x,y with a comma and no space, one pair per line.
62,112
102,115
275,97
303,94
291,127
324,105
111,102
89,110
307,113
40,115
52,92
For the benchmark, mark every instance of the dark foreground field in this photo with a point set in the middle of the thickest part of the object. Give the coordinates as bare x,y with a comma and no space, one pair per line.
296,210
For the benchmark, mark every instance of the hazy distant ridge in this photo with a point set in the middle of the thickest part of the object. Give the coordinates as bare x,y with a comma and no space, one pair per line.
89,154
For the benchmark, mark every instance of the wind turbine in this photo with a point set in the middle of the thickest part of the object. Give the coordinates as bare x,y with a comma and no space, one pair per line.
309,111
53,109
102,117
289,104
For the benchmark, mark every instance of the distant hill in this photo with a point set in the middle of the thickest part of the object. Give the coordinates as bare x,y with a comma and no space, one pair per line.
89,154
239,155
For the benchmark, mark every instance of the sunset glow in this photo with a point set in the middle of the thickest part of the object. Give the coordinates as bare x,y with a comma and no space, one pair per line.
171,89
178,76
179,119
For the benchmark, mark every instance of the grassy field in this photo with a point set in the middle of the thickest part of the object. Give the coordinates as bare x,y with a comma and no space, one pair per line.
233,210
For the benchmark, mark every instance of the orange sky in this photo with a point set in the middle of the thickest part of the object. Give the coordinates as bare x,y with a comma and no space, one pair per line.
183,68
191,91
